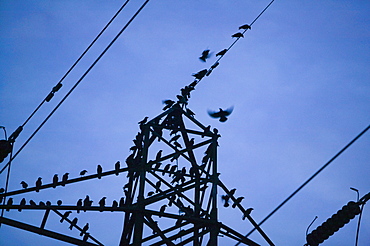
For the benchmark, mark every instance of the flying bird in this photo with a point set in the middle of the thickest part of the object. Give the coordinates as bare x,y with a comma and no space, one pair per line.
222,52
205,55
55,180
65,216
117,167
38,184
238,35
221,114
24,185
64,179
245,27
99,170
83,172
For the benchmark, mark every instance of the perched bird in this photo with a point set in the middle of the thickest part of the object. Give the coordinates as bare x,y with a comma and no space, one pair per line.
117,166
102,203
226,199
246,213
9,203
222,52
48,203
142,122
121,202
79,205
24,185
22,204
38,184
205,55
157,165
73,223
150,193
2,190
55,180
32,203
221,114
157,186
166,168
177,144
42,204
99,171
158,155
83,172
238,35
114,204
64,179
168,104
161,210
59,202
232,192
65,216
245,27
84,229
175,138
200,74
86,236
172,170
87,202
238,201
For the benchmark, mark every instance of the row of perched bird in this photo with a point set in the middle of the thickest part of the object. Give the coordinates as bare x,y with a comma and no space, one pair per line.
73,223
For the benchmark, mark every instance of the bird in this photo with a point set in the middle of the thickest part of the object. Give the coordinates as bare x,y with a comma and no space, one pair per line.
99,170
238,201
222,52
32,203
246,213
79,205
177,144
48,204
2,190
245,27
55,180
117,167
42,204
83,172
161,210
158,155
114,204
205,55
87,202
102,204
84,229
175,138
142,122
73,223
59,202
166,168
9,203
221,114
38,184
168,104
157,186
226,199
86,236
64,179
172,170
24,185
65,216
22,204
121,202
238,35
199,75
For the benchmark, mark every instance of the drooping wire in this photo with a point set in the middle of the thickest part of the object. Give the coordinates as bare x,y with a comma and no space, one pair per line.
310,179
78,82
358,223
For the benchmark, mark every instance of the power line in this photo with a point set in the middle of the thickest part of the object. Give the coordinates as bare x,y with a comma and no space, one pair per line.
78,82
311,178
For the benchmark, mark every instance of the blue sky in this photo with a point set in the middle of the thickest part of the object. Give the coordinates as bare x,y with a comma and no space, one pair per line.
298,81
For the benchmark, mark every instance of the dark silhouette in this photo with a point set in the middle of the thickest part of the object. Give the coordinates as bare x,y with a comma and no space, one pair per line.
238,201
99,170
143,121
232,192
221,114
83,172
42,204
158,155
121,202
172,170
177,145
65,216
9,203
246,213
87,203
102,204
73,223
64,179
175,138
157,186
245,27
59,202
38,184
166,168
226,199
238,35
84,229
32,203
79,205
48,203
117,166
200,74
161,210
114,204
24,185
86,236
150,193
190,113
205,55
55,180
22,204
168,103
222,52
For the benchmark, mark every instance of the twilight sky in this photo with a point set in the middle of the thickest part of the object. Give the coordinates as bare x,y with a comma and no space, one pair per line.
298,81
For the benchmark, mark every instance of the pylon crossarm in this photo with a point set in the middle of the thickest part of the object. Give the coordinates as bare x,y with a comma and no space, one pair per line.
45,232
229,232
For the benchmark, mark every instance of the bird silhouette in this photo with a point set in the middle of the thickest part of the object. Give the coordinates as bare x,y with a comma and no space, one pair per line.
237,201
55,180
114,204
158,155
32,203
73,223
175,138
24,185
86,236
177,144
38,184
102,204
168,104
22,204
48,204
221,114
172,170
238,35
83,172
222,52
245,27
166,168
84,229
226,199
79,205
42,204
199,75
2,190
121,202
150,193
205,55
99,171
232,192
59,202
117,166
157,186
246,213
87,202
9,203
142,122
161,210
65,216
64,179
